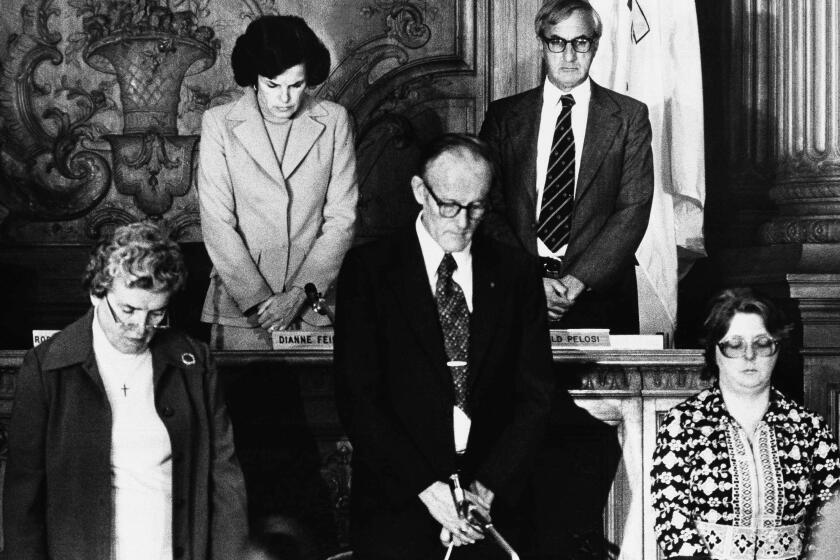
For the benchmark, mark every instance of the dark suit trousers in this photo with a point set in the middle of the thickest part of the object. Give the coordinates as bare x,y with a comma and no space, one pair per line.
616,309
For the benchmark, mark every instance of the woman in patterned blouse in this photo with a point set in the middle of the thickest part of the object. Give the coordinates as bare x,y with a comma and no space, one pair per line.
741,471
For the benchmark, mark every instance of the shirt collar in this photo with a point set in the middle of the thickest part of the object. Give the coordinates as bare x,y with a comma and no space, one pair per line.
433,253
581,92
776,413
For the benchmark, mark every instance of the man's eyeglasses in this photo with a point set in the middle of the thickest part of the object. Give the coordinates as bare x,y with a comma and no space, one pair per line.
580,44
450,209
155,320
737,347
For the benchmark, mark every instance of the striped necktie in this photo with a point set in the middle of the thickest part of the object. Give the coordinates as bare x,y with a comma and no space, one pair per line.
455,322
559,192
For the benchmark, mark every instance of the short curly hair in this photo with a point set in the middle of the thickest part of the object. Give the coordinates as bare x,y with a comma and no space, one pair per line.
143,254
273,44
723,307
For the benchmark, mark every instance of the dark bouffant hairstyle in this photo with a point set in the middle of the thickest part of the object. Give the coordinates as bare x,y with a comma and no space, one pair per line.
555,11
273,44
723,307
456,142
140,252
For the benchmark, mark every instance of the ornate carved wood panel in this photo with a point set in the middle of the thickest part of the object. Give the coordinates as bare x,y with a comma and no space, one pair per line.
101,101
101,104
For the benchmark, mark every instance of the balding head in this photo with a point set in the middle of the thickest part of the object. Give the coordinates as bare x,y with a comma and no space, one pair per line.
452,187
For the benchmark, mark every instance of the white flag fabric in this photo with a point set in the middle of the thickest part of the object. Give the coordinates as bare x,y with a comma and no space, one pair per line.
650,50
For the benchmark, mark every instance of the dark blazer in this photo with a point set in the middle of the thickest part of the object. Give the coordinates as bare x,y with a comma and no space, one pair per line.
57,497
395,392
614,189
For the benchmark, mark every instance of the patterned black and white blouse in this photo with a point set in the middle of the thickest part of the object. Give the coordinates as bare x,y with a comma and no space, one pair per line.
716,495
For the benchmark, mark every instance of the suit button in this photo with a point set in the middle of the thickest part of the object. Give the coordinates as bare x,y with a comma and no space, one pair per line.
180,502
178,551
167,412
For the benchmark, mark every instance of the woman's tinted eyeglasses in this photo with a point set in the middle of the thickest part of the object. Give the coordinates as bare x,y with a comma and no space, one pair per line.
155,320
737,347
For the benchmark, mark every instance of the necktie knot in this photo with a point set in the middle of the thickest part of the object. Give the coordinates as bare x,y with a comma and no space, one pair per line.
447,267
567,100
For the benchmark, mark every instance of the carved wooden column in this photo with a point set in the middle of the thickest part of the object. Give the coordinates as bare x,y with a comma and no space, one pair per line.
805,89
793,57
806,107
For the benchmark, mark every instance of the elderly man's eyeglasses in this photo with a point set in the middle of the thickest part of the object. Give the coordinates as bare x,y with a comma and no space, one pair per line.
156,320
737,347
450,208
580,44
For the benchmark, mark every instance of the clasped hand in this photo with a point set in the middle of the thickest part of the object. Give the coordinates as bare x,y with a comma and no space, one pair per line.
439,501
561,294
279,310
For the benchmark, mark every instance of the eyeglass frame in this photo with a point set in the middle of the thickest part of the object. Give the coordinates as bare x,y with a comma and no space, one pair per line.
775,345
469,208
565,42
126,326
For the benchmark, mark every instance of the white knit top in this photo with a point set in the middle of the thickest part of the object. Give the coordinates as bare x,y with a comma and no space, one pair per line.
141,454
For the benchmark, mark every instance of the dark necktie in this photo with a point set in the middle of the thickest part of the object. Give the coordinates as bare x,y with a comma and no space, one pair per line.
455,322
559,192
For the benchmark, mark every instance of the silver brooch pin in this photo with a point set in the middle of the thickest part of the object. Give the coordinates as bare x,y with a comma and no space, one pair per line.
188,359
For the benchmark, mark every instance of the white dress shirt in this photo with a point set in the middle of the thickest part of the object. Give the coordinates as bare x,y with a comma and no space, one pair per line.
141,454
463,276
548,120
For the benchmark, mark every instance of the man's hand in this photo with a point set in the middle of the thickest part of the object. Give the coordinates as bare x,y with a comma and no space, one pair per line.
561,295
438,500
555,296
280,309
481,496
574,287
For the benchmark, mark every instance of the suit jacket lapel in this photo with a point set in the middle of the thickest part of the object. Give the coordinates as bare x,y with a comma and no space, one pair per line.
250,131
485,315
524,134
161,361
74,345
305,131
601,130
417,305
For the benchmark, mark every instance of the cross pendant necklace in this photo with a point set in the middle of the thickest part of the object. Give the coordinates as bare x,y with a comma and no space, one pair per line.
124,390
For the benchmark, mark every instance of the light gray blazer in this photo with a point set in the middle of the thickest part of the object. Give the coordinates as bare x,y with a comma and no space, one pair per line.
267,226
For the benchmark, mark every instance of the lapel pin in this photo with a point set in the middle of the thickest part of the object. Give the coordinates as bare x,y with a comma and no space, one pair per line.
492,284
188,358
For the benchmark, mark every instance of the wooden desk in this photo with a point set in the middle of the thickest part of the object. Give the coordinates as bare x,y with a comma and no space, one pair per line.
628,390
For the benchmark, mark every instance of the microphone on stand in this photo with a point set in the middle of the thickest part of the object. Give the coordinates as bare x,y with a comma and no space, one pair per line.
467,510
475,517
319,305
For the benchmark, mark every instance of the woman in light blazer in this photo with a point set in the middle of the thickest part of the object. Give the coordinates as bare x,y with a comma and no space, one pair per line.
276,184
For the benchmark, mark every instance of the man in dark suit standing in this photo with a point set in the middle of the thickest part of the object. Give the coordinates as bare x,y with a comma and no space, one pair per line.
576,176
443,365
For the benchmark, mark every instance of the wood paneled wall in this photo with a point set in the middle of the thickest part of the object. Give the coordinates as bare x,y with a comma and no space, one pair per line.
76,160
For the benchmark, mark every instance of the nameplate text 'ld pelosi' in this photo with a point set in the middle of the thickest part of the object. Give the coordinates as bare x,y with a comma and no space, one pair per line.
580,338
